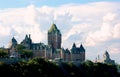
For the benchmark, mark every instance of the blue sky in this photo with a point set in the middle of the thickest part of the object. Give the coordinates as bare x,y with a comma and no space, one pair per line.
24,3
94,23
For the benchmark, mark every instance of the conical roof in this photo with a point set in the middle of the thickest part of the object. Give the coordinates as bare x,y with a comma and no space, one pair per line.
14,40
53,29
82,48
74,45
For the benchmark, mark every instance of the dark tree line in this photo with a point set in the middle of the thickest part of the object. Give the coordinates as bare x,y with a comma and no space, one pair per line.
36,67
39,67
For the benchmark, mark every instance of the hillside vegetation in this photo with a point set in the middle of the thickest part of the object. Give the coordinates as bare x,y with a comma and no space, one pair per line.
39,67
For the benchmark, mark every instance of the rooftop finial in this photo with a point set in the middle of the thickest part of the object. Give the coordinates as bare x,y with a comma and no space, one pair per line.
29,36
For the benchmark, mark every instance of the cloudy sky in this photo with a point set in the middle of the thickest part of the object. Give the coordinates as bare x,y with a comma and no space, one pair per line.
93,23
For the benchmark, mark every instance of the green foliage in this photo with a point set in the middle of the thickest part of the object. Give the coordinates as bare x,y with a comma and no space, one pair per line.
2,63
88,63
20,47
39,67
98,69
70,69
3,53
26,53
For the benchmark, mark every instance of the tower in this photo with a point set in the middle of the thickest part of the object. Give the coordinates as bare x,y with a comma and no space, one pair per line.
54,37
12,48
78,53
82,51
13,43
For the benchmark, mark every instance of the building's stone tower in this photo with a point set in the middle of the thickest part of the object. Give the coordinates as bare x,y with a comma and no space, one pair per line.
54,37
12,48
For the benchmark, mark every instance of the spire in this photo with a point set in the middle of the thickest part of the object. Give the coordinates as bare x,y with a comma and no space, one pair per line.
98,57
82,48
26,37
74,45
14,40
106,54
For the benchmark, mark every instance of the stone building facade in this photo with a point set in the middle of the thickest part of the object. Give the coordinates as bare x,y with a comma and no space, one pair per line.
53,50
74,54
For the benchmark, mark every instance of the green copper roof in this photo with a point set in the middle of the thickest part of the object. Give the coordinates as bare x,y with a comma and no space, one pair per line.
53,29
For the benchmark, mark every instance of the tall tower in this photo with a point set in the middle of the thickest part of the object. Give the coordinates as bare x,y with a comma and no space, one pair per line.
54,37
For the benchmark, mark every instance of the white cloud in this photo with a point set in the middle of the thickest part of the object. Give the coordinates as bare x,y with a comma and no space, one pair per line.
115,51
117,31
109,17
76,29
4,30
109,30
22,21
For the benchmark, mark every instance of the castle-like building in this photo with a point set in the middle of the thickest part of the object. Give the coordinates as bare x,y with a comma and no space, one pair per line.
51,51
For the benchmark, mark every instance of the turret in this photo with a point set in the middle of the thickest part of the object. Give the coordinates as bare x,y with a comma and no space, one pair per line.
77,53
82,48
13,43
73,50
74,45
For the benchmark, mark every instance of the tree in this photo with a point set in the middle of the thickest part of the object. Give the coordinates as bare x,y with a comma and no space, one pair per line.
3,53
26,53
20,47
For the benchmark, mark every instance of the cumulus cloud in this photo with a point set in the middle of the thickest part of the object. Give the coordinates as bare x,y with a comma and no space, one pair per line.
117,31
93,24
109,30
4,30
21,21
